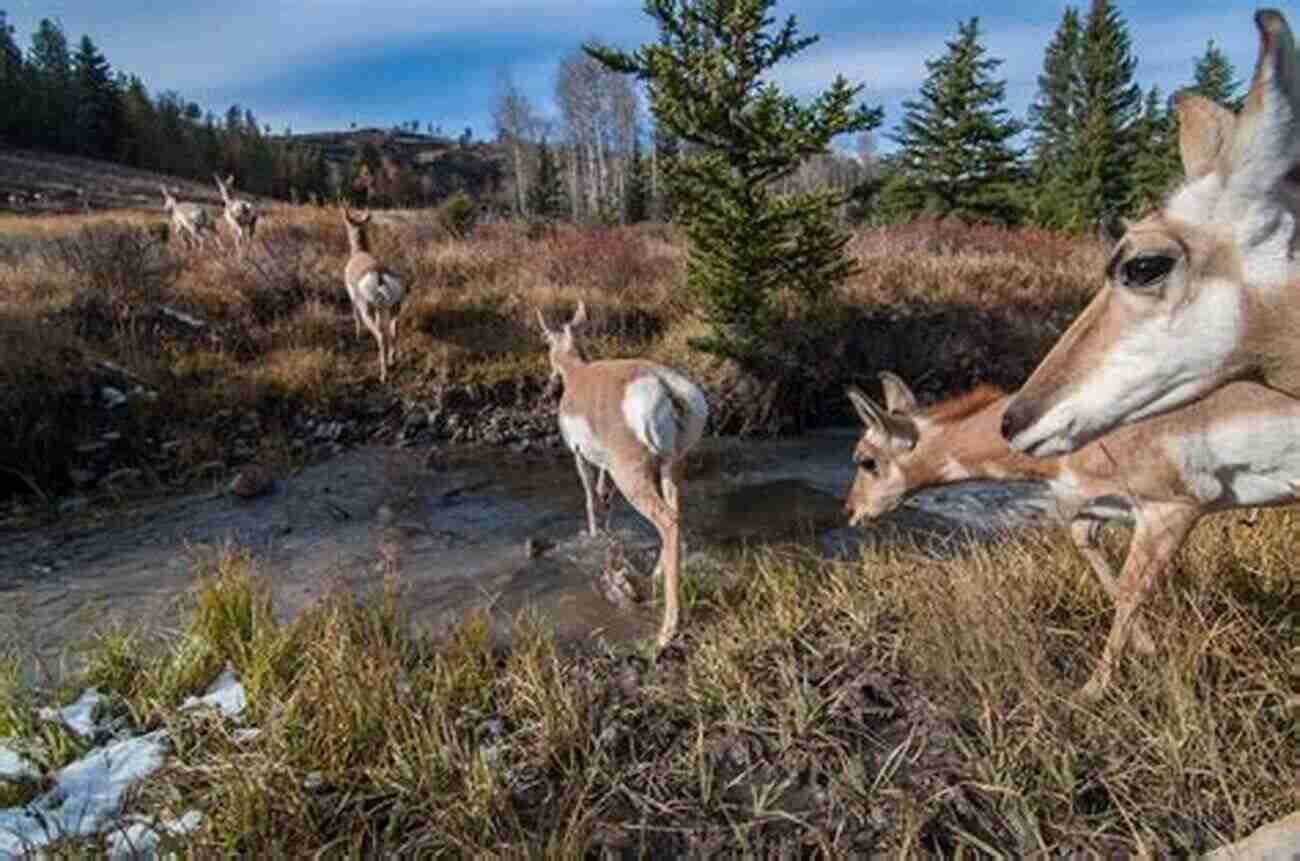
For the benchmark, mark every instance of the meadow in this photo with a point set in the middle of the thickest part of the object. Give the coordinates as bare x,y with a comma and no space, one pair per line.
906,704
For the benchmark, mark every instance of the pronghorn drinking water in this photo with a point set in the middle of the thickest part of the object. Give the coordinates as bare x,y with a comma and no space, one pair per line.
636,420
1238,447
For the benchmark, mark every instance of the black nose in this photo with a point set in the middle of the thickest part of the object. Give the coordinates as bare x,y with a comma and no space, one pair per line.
1014,420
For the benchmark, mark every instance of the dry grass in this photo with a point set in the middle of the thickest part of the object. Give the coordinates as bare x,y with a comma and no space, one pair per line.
946,306
907,704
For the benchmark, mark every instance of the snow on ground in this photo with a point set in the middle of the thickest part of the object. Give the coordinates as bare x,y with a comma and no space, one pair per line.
87,796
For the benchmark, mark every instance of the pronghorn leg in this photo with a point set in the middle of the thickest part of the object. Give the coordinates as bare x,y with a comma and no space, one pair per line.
392,336
1087,538
640,485
356,314
1159,535
584,472
377,330
605,496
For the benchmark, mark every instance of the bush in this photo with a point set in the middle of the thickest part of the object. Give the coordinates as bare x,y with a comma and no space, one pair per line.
458,215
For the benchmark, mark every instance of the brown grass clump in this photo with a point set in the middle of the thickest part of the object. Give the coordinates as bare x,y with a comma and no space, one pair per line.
908,704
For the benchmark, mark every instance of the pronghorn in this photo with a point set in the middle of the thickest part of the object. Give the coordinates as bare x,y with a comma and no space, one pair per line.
240,214
1239,447
375,291
187,219
636,420
1201,292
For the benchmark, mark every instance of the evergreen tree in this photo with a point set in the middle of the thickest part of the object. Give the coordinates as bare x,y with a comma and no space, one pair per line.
546,197
1156,164
97,124
666,150
755,257
53,102
13,86
1111,103
956,153
1216,78
1055,123
636,192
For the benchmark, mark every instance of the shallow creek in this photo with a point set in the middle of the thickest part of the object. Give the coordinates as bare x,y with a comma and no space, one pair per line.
457,536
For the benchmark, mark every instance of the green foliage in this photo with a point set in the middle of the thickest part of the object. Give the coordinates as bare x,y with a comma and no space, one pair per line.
53,106
636,194
1054,120
96,120
13,81
458,215
957,157
1156,164
546,197
1216,78
758,264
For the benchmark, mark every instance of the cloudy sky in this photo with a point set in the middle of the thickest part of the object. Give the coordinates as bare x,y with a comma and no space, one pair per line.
324,64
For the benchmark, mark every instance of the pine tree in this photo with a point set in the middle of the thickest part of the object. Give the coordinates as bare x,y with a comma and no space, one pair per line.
1216,78
1111,102
53,100
754,258
13,89
956,154
546,197
1055,123
97,123
636,192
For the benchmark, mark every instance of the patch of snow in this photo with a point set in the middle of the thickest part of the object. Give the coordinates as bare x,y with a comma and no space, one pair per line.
140,838
14,766
78,717
86,798
226,695
182,317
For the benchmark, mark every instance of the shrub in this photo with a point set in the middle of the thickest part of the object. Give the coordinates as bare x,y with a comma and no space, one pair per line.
458,215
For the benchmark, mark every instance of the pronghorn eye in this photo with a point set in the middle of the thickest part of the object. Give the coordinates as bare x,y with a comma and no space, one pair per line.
1145,270
867,463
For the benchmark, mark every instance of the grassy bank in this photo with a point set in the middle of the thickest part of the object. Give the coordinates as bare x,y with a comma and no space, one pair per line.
904,704
946,306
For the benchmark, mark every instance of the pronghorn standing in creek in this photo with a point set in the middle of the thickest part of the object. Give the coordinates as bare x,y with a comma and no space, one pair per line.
1204,291
1238,447
635,420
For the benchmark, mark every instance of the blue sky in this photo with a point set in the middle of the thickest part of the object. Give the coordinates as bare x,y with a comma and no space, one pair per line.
323,64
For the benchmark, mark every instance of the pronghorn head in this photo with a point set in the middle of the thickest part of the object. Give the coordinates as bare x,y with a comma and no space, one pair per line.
169,202
1178,313
356,223
561,344
889,440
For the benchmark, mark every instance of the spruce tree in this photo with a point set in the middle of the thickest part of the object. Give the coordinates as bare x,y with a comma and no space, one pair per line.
96,112
13,90
546,197
1055,123
1111,103
754,258
1156,164
53,102
956,155
1215,77
636,192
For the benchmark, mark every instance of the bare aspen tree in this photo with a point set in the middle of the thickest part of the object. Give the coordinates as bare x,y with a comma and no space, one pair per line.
601,118
515,125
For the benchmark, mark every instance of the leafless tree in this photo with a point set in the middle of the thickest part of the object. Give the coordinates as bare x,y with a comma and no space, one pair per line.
600,111
516,127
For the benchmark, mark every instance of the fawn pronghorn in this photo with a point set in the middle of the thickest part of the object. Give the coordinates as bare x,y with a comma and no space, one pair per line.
1239,447
1203,291
375,291
239,214
187,219
635,420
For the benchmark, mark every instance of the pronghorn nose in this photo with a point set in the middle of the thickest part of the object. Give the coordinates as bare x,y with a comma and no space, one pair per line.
1014,420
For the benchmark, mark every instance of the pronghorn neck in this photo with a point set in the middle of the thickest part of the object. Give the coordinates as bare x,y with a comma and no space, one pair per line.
357,239
570,363
961,439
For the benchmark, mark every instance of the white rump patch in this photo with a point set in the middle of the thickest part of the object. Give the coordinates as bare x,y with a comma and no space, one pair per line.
665,411
380,288
580,439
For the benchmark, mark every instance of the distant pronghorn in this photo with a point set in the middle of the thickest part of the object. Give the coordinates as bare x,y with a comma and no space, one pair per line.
1203,291
636,420
1238,447
375,291
188,219
240,214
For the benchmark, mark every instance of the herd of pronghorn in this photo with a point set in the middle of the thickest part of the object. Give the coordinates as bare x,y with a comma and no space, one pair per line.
1174,394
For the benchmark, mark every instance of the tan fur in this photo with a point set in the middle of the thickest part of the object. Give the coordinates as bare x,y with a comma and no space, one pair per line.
188,220
1132,467
1233,297
240,215
594,399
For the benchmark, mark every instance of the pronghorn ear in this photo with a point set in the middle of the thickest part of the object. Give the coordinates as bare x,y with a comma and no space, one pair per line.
546,330
898,397
579,316
1266,138
870,414
897,431
1204,132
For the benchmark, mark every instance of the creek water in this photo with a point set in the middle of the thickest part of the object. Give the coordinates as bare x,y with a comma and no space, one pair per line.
457,536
